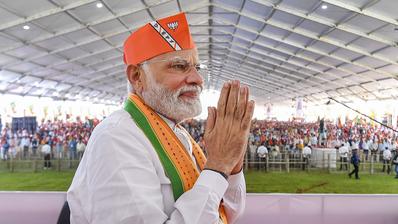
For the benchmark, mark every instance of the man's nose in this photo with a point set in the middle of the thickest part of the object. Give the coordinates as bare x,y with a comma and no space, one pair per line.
194,77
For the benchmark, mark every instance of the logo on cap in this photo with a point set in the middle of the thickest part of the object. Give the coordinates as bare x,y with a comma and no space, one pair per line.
173,25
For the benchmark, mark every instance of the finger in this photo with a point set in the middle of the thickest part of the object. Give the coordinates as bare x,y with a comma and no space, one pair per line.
242,101
210,120
214,113
232,99
247,98
222,101
247,94
245,125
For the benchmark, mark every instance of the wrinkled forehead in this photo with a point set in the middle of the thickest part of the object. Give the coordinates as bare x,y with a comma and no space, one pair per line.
190,55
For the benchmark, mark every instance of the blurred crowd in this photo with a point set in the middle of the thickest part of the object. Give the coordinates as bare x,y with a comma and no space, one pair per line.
267,139
299,138
294,136
51,139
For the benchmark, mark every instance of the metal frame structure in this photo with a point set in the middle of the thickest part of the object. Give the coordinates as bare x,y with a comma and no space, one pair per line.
282,49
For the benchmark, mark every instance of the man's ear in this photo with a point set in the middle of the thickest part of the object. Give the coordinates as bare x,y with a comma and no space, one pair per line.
134,75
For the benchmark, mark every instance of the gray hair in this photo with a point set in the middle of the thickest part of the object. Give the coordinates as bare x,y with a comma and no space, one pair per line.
145,67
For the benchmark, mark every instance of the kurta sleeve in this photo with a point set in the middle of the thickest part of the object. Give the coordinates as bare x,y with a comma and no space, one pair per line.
235,197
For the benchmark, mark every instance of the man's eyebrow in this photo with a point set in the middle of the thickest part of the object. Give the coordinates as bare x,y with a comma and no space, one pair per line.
180,59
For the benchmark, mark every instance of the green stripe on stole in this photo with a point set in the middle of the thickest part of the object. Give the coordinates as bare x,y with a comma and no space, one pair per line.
142,122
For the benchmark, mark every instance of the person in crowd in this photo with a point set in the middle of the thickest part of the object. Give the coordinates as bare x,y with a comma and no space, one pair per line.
354,145
18,147
314,140
336,143
252,153
2,141
387,144
374,147
46,151
387,156
25,143
300,145
275,153
262,153
343,153
140,165
66,147
59,147
35,145
366,147
80,148
380,148
13,147
307,151
395,162
5,147
355,161
394,147
72,147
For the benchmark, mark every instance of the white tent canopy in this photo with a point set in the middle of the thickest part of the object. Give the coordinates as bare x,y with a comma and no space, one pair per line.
282,49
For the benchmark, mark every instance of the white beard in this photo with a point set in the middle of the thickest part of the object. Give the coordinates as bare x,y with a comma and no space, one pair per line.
168,103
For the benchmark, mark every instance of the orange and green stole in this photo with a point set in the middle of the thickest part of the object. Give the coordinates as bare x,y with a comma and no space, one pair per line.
177,163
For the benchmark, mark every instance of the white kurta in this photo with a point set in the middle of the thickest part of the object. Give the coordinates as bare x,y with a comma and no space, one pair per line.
121,180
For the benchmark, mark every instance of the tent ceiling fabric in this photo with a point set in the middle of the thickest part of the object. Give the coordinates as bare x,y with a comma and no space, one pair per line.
283,49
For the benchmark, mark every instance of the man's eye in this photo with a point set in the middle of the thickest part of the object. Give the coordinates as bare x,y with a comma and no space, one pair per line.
179,66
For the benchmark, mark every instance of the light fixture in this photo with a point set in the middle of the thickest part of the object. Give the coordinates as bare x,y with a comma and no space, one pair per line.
26,27
324,6
99,5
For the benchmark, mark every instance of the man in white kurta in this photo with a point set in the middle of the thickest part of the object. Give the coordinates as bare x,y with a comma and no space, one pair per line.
120,178
343,153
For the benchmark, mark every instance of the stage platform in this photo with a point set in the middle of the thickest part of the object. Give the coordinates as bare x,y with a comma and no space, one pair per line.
44,208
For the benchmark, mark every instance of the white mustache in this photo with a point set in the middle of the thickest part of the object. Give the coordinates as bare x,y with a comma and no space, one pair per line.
197,89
